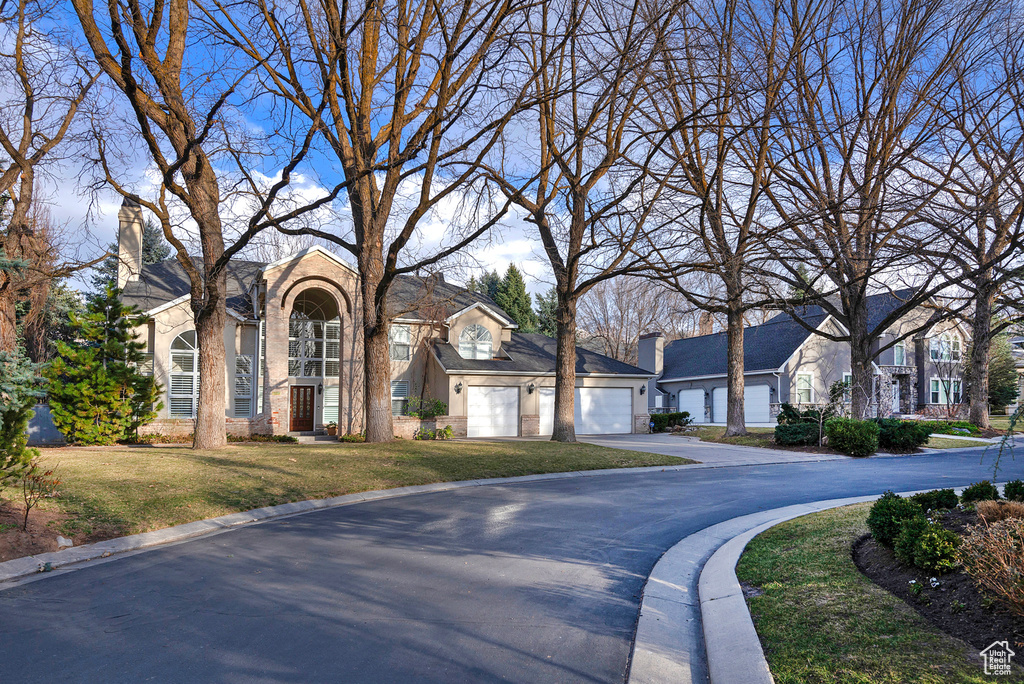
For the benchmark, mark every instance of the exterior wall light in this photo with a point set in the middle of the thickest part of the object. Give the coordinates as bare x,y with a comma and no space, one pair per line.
643,390
458,388
320,388
530,388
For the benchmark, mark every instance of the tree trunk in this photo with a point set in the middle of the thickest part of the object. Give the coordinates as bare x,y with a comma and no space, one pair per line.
735,422
8,327
860,363
376,353
977,379
211,427
565,370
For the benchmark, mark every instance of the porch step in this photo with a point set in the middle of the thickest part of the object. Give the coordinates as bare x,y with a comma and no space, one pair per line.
310,437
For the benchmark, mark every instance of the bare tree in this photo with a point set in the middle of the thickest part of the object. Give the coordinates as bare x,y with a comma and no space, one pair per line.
417,97
723,76
180,90
979,207
616,312
591,192
46,83
857,113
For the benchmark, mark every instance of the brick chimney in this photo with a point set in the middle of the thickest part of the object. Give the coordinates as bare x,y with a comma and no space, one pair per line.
129,242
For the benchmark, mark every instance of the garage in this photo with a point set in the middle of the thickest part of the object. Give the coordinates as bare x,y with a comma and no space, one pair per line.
756,399
492,411
604,410
598,410
692,401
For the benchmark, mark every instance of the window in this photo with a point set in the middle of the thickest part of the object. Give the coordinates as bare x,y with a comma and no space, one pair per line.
804,388
400,339
945,348
946,391
848,392
243,385
183,390
314,348
399,398
899,353
331,394
475,342
146,364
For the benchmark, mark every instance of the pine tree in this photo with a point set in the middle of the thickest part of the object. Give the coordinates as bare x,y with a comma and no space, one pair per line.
17,399
488,284
547,304
1002,373
514,299
97,393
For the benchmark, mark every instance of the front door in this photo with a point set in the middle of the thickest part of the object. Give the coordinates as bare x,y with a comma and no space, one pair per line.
895,396
301,408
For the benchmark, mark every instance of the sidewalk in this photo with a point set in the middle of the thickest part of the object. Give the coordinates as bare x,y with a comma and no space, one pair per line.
709,454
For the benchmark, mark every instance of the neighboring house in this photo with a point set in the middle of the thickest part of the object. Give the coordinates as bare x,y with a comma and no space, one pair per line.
784,362
293,346
1017,349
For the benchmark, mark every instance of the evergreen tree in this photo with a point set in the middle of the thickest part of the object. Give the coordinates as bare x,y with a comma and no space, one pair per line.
97,393
154,250
61,302
547,304
1002,373
488,284
17,398
514,299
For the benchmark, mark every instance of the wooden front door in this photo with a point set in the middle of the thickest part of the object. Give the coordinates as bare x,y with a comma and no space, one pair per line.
301,408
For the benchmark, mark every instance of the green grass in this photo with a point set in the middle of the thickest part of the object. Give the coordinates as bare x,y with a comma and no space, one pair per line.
1003,423
821,621
757,437
124,490
951,443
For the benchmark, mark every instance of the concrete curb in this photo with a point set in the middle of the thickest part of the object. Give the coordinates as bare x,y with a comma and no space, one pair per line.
694,624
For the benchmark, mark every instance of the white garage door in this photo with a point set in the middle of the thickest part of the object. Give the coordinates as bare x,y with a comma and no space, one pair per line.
692,401
547,410
492,411
604,410
755,404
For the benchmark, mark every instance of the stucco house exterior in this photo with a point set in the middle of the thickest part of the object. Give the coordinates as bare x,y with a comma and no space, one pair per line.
786,362
294,352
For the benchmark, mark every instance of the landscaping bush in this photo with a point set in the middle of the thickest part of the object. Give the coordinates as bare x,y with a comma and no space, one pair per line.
790,415
663,421
940,499
902,435
994,511
935,550
17,399
797,434
980,491
953,427
909,535
427,408
852,437
1014,490
991,556
350,437
887,516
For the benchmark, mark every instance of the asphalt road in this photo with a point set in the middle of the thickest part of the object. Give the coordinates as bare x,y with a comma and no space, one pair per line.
536,582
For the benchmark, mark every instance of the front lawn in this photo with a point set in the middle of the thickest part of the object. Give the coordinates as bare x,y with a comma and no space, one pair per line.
946,443
123,490
820,620
756,437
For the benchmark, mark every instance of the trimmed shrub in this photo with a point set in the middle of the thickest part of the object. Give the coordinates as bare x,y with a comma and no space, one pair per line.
902,435
953,427
935,550
980,491
939,499
663,421
797,434
909,535
994,511
852,437
427,408
991,556
1014,490
887,516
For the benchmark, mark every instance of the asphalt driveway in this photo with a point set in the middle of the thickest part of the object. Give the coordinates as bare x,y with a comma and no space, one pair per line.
532,582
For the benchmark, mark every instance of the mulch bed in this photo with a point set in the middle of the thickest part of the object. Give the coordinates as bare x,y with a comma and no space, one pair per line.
955,606
41,537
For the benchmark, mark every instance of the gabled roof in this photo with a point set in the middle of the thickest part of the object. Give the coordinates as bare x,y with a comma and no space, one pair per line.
535,354
766,347
411,297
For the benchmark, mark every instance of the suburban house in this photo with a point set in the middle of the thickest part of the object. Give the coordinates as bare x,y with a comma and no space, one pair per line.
786,361
1017,349
294,352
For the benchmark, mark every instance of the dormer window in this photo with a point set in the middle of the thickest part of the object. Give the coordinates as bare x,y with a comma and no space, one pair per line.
475,342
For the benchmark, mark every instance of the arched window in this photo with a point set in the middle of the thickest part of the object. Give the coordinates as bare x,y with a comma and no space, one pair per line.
945,347
314,336
183,390
475,342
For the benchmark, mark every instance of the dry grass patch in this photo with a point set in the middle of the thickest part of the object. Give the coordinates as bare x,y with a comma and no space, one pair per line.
994,511
126,490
